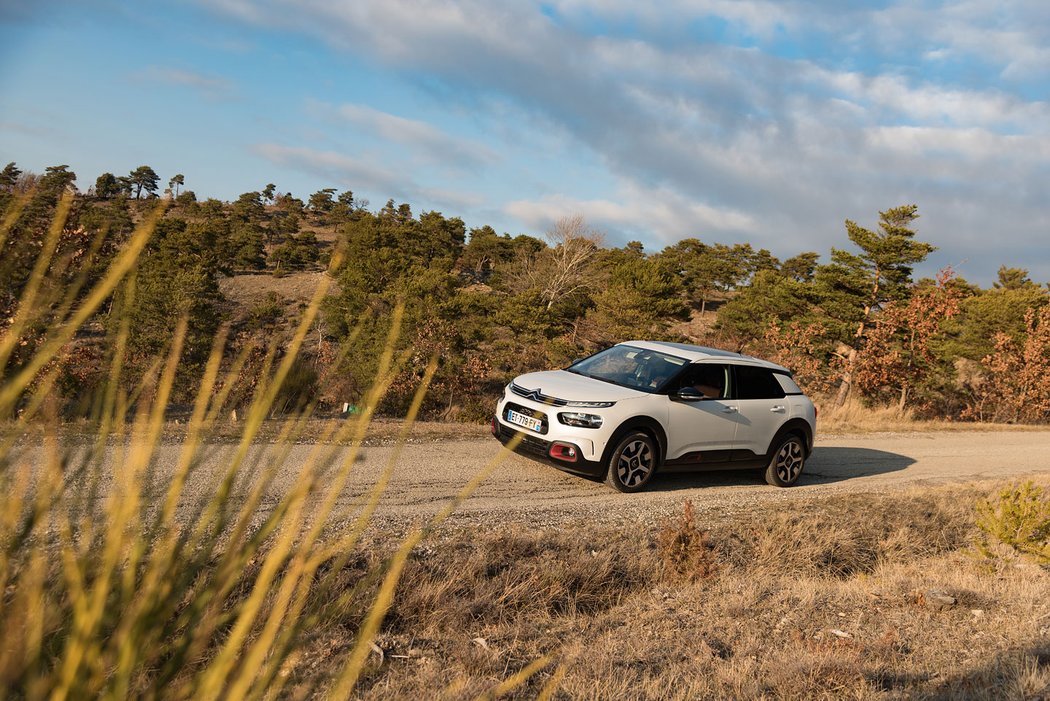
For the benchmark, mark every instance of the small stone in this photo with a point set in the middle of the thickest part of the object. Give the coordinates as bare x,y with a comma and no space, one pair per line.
839,633
481,642
977,613
939,600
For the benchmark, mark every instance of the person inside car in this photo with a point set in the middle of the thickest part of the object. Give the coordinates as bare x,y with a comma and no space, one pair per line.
709,382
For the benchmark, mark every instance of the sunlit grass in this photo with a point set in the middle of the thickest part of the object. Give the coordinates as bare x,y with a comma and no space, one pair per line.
114,583
855,416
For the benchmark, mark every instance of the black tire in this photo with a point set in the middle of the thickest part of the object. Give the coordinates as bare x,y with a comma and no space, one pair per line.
787,462
633,462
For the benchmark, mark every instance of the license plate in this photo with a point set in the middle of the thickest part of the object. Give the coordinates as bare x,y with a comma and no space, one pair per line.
522,420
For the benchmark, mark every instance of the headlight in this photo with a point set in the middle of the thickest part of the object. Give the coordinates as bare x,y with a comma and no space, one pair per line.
590,405
575,418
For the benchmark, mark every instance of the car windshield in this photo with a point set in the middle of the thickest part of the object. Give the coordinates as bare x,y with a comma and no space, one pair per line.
627,366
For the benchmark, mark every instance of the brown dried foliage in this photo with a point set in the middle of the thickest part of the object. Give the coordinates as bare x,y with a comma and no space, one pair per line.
897,354
797,346
1019,371
686,551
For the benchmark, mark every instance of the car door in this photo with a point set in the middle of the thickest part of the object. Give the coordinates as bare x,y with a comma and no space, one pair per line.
763,409
706,425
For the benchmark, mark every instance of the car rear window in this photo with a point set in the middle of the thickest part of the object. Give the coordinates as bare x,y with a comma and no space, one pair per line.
789,384
757,383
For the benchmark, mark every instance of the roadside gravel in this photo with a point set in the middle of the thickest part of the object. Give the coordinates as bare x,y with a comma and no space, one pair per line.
430,472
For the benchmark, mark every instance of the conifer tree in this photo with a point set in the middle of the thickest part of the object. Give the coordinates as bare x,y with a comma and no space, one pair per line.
856,285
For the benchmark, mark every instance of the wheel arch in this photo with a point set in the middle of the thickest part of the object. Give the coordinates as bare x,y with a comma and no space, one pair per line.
646,424
797,426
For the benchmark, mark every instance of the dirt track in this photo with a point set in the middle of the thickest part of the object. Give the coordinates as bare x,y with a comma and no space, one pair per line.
521,490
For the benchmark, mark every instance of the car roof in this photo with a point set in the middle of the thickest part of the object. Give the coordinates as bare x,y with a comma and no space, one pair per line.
698,354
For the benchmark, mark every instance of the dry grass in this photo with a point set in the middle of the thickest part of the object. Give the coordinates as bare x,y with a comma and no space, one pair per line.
249,290
855,417
381,431
686,551
809,600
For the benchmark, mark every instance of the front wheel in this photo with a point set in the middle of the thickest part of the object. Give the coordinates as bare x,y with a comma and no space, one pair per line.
787,462
633,463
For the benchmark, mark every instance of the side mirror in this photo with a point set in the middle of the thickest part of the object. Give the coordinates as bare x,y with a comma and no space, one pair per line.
688,394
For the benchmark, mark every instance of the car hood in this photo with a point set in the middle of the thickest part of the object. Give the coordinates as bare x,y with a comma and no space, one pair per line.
567,385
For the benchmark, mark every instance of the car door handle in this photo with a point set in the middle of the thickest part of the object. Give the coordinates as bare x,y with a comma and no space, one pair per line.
729,410
779,409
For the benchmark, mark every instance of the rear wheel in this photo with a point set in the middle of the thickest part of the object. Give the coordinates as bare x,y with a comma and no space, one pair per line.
788,460
633,462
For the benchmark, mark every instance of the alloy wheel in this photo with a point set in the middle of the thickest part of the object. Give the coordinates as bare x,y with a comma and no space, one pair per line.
635,463
789,461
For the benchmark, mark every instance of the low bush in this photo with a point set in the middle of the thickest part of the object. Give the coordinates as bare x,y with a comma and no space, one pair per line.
1015,523
686,551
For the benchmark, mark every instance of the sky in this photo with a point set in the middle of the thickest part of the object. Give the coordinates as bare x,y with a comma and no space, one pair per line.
739,121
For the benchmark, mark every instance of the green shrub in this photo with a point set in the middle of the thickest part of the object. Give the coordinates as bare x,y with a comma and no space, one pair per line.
1019,521
299,388
266,313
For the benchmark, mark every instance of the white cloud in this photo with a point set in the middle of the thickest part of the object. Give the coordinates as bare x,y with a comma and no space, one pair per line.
759,17
896,98
346,171
636,212
364,175
426,141
210,86
1013,36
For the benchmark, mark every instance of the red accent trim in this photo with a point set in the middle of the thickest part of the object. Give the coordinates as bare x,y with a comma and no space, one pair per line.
564,452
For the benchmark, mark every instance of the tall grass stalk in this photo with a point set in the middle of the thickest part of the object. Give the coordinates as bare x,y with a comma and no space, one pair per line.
114,583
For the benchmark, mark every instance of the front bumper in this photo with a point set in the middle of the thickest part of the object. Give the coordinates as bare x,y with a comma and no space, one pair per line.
539,449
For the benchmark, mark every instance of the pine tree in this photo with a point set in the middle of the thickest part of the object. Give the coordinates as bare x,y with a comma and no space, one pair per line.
856,285
144,178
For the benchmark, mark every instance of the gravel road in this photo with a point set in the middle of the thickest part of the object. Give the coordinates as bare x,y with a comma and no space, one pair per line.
520,490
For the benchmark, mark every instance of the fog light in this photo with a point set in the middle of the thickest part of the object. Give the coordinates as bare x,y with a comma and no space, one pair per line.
563,451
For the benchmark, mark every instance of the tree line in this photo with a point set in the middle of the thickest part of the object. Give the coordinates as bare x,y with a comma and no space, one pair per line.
490,305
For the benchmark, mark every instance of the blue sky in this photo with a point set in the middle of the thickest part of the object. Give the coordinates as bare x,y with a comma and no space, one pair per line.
758,121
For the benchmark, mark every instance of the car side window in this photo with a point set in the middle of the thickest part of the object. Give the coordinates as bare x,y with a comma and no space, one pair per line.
789,385
712,380
757,383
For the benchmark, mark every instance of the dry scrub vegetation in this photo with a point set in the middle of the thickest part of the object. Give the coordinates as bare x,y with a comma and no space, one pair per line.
850,597
855,416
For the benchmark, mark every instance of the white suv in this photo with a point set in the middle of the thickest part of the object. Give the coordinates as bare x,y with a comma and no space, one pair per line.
641,407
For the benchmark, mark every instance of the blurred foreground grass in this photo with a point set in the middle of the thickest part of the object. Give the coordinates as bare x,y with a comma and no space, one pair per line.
106,594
